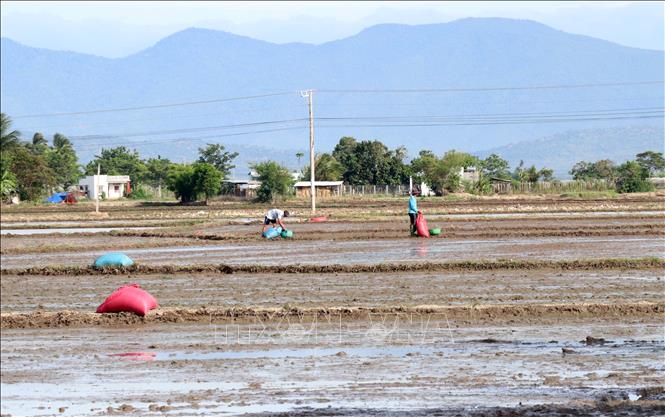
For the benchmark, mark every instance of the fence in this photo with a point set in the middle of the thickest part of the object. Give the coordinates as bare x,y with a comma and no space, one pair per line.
370,189
551,187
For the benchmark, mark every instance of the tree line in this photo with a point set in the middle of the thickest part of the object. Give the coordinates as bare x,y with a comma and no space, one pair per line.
36,167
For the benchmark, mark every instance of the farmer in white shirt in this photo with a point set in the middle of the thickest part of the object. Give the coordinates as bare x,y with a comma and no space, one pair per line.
274,216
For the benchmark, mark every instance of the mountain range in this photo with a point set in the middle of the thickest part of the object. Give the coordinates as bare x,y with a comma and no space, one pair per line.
466,74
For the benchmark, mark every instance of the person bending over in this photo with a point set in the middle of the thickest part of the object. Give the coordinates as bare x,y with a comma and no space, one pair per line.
274,216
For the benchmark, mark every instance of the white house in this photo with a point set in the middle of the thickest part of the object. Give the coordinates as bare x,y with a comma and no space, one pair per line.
106,186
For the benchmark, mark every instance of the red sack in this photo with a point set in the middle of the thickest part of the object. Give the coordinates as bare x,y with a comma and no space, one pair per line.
318,219
421,225
130,298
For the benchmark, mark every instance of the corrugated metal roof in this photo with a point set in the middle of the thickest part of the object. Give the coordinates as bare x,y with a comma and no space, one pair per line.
318,183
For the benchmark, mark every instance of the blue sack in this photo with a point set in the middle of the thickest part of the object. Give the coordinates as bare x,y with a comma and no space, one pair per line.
57,198
113,259
273,232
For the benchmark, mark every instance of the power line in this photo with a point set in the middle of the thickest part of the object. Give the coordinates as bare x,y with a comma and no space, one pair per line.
495,122
159,118
283,93
629,111
88,146
187,130
517,88
485,101
156,106
579,113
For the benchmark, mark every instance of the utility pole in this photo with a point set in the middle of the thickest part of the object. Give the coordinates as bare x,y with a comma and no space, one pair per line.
96,184
312,189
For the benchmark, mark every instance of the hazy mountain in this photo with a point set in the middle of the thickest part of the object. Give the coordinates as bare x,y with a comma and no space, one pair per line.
562,150
198,64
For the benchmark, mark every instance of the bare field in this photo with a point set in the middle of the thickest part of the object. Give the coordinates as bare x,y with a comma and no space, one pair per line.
523,307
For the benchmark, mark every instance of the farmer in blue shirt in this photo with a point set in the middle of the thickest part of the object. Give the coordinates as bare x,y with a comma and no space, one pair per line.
413,211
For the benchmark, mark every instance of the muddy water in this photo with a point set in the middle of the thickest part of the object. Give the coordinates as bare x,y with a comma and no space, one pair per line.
363,252
389,362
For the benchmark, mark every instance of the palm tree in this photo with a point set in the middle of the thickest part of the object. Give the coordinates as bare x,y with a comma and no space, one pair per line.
38,139
299,155
60,141
327,168
8,139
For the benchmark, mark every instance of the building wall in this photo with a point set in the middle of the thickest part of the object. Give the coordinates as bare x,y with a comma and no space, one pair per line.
115,190
98,185
320,191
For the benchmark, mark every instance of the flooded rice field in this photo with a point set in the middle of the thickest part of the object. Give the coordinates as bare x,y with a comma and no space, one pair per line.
364,252
357,324
389,363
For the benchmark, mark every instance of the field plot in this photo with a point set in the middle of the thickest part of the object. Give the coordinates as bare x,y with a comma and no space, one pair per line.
539,306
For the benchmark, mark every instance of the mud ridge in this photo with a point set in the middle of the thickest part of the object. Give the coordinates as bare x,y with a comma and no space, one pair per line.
475,313
591,264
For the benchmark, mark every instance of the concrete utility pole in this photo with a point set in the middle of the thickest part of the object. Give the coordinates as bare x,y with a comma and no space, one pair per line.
312,189
96,184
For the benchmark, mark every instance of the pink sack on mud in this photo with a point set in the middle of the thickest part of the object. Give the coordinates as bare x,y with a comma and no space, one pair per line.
421,225
130,298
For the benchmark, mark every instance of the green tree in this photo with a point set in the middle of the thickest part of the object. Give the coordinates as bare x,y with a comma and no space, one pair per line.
632,178
299,155
456,160
182,182
599,170
520,173
345,154
327,168
275,180
442,174
216,155
8,138
370,162
482,185
495,167
652,161
119,161
33,176
452,182
207,180
63,161
532,174
581,170
546,174
424,166
8,181
39,144
604,169
158,170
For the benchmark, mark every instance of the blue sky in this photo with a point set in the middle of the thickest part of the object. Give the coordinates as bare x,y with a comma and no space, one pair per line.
115,29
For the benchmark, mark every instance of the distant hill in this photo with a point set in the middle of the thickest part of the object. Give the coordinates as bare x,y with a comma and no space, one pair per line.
198,64
561,151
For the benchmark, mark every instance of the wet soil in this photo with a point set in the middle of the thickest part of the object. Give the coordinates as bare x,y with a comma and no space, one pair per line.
336,208
408,289
525,307
385,366
365,252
